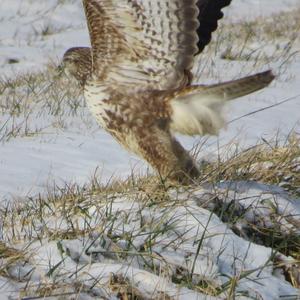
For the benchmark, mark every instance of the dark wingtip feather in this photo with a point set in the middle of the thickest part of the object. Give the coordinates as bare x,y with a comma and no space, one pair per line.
209,15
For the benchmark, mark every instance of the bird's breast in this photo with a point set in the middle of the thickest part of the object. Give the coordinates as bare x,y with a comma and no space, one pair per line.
97,99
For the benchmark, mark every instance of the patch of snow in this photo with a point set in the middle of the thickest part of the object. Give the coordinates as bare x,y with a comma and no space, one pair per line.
93,259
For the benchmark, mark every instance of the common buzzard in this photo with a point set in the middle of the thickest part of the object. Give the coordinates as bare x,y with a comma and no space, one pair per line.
137,77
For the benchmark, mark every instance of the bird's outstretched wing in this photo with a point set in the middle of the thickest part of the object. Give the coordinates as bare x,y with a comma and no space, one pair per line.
210,12
148,43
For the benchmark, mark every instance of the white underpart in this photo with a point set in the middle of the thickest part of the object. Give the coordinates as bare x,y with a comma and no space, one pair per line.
197,115
94,95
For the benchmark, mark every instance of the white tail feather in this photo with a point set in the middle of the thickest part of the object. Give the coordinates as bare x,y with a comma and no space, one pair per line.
195,115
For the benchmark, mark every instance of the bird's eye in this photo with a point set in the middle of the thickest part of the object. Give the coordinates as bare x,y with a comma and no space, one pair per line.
60,68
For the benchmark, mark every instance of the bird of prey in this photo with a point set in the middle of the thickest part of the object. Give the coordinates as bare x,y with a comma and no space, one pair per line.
137,77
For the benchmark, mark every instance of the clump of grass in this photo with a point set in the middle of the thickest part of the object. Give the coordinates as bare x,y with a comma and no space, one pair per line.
47,91
269,163
123,289
44,96
8,257
274,30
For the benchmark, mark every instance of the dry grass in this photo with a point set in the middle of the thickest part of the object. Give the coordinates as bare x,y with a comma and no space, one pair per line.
278,32
9,257
31,104
269,163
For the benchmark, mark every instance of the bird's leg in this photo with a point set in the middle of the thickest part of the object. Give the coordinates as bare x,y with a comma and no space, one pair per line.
167,156
185,170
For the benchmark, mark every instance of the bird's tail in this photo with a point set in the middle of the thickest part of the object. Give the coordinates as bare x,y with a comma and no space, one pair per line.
198,109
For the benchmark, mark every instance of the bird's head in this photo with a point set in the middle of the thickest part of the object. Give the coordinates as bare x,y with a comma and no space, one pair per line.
77,63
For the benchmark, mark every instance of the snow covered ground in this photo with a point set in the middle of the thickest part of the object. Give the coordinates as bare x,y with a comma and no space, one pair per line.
34,33
149,250
150,247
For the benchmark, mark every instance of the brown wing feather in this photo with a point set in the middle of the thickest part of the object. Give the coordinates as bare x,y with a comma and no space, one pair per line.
146,43
107,42
143,41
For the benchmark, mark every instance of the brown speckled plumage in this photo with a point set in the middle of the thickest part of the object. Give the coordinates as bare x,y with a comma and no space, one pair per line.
137,76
